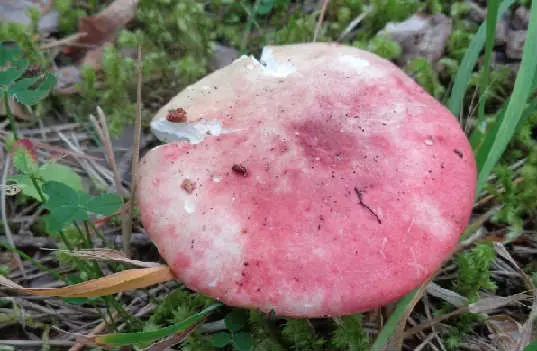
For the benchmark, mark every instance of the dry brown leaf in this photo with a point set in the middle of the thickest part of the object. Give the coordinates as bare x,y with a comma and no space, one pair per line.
18,110
109,255
447,295
505,332
527,332
94,58
112,284
489,304
502,251
106,25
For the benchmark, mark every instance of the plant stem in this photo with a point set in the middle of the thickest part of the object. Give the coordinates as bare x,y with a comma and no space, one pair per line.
38,188
123,313
10,116
66,241
99,234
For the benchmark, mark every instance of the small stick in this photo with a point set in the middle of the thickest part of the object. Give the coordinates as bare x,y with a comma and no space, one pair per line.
321,19
127,225
66,41
353,24
7,231
359,194
98,329
102,130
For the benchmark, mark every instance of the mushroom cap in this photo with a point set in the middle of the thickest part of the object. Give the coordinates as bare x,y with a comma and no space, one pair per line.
334,183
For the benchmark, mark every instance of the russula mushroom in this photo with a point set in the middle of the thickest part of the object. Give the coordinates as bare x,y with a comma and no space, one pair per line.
327,182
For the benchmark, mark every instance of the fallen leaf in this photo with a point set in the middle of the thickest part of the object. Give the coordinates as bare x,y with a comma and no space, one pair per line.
505,332
18,110
490,304
118,282
104,26
447,295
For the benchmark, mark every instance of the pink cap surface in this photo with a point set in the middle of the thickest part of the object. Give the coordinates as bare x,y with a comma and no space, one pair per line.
336,184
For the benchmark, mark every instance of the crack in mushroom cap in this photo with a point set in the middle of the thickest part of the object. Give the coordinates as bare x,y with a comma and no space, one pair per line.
355,186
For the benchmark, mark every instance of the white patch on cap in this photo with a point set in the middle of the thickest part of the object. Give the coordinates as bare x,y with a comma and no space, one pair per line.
429,218
355,62
224,250
272,67
301,303
190,206
168,132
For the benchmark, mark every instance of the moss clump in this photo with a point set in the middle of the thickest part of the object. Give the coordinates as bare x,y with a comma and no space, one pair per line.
473,271
519,198
349,334
424,74
385,47
300,335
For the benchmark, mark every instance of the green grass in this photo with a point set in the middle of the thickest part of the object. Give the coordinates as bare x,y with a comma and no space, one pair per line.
499,136
462,78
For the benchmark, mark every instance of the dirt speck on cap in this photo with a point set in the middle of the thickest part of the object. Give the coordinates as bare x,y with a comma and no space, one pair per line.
240,169
188,185
176,116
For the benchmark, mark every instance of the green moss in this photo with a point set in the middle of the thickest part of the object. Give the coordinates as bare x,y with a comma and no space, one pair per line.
473,271
385,47
424,74
458,43
519,199
24,36
384,11
460,9
349,334
301,336
299,29
462,327
69,15
178,305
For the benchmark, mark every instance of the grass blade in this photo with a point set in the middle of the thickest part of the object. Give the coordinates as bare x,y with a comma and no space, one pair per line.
393,321
150,336
531,346
462,78
486,158
492,18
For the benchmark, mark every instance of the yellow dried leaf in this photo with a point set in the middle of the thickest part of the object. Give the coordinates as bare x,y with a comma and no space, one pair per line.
112,284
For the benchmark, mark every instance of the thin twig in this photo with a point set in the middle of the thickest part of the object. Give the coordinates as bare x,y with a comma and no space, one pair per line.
127,225
321,19
97,330
65,41
434,321
84,163
354,23
33,343
7,230
110,151
174,339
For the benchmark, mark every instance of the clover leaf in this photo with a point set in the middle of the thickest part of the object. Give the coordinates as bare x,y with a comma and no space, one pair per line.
28,91
66,205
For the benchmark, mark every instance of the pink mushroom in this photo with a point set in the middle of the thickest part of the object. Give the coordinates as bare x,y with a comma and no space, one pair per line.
318,181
